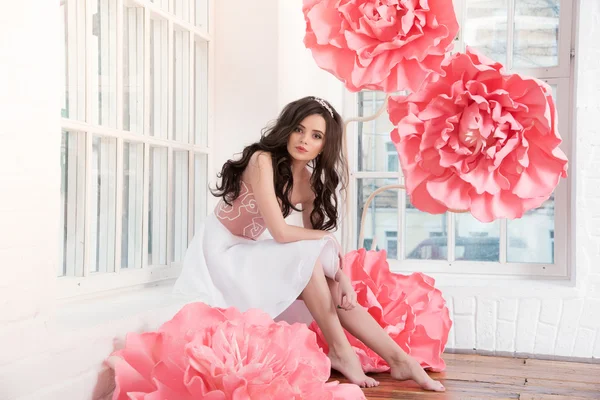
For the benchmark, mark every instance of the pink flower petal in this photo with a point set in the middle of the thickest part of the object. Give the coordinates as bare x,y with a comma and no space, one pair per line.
344,391
477,138
222,354
382,46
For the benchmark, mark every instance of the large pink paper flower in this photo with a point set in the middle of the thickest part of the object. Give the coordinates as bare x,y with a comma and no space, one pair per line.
478,139
387,45
409,308
216,354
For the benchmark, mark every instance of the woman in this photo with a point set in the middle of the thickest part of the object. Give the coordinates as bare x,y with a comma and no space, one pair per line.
298,161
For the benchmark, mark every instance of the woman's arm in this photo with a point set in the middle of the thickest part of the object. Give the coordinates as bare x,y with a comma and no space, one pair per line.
259,174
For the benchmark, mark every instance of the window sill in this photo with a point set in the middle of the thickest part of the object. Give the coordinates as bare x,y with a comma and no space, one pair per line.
102,309
497,285
96,284
462,268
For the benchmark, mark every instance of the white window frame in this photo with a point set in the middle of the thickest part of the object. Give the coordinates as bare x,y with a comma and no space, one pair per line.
70,286
563,77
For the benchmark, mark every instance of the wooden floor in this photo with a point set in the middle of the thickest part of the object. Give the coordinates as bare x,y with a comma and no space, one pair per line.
480,377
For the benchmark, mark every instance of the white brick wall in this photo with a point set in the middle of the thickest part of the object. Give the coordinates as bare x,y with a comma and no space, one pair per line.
48,353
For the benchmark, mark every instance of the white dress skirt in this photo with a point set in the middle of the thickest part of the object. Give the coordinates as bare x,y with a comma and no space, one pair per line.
224,270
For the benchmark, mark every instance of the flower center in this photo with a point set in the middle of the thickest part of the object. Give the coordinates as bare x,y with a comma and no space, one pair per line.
472,139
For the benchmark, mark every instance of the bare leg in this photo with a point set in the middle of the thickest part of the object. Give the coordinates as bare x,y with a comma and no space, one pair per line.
362,326
317,298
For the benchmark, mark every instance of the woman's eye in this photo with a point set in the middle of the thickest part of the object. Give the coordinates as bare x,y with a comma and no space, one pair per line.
298,129
317,136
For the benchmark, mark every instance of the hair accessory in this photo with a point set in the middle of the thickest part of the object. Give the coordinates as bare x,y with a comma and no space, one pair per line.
324,104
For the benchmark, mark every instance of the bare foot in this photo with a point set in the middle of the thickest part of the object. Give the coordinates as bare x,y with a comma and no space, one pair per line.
347,363
405,367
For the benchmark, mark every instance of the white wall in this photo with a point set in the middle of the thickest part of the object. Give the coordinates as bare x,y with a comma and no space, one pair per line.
299,75
246,74
29,159
29,175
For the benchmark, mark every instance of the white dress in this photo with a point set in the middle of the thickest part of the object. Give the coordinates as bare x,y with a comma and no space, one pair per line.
224,269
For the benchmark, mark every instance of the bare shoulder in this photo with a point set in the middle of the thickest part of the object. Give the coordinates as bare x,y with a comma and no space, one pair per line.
259,164
260,159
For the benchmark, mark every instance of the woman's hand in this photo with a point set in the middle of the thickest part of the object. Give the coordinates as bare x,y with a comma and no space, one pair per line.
346,298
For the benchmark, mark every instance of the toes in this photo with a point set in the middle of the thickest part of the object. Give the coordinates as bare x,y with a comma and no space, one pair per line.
435,386
371,383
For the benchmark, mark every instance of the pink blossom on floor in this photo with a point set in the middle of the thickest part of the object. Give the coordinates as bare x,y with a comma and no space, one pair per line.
478,139
409,308
387,45
218,354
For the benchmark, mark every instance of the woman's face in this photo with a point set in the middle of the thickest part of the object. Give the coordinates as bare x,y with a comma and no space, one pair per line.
308,138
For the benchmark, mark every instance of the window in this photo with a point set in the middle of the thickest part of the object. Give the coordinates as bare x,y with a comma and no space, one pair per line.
532,37
391,244
392,157
136,138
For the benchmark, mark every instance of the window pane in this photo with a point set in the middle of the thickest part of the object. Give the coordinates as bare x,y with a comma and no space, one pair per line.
133,69
382,216
373,135
536,33
133,200
391,238
202,14
475,240
200,188
182,9
103,205
181,86
159,64
72,57
157,210
72,203
426,236
531,238
485,27
104,62
180,198
393,162
201,92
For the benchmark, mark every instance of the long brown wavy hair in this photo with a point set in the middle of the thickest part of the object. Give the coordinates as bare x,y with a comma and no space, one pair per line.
329,169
